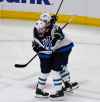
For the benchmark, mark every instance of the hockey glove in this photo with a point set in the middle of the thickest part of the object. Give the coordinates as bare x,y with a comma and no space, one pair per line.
58,35
53,19
36,47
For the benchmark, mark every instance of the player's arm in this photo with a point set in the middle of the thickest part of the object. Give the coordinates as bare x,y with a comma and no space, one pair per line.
58,35
36,44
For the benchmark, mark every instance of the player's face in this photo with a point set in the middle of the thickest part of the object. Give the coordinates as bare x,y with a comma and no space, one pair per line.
42,30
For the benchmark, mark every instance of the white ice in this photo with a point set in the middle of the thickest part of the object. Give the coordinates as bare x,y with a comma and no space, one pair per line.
16,85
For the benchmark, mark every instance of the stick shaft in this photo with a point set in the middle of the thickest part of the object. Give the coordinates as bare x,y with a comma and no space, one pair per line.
59,7
24,65
32,59
70,20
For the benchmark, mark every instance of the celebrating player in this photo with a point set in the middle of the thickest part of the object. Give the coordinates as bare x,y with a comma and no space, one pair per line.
42,44
62,48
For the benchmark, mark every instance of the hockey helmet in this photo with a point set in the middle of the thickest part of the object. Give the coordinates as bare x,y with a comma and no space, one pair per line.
45,17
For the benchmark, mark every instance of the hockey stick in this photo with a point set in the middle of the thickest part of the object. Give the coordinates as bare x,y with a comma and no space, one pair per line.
59,8
70,20
24,65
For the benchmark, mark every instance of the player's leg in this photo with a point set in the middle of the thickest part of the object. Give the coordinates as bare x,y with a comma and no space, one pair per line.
63,55
45,70
40,86
65,73
57,80
59,93
68,85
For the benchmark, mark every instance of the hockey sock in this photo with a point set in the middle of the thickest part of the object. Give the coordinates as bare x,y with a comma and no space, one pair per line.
57,81
65,75
42,81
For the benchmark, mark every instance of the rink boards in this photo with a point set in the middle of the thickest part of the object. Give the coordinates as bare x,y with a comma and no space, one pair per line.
31,9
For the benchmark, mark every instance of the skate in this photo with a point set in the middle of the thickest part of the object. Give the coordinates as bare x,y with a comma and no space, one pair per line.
41,94
70,86
58,96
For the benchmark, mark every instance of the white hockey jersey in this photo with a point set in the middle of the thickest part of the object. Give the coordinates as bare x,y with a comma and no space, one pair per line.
60,42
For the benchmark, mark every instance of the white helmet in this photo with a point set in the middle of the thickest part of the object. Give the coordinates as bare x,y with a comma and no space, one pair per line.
40,26
45,17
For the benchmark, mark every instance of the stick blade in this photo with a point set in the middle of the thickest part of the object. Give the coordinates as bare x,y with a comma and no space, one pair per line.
20,65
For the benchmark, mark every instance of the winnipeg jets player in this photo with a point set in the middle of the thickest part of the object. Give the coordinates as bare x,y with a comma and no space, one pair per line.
62,48
42,44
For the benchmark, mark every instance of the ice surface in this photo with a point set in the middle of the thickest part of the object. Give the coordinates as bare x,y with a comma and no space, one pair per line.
16,85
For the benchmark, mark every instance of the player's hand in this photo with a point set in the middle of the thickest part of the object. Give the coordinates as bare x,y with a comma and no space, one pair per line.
53,19
35,46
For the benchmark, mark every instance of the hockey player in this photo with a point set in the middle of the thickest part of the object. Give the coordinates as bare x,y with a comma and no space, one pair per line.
42,44
62,49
